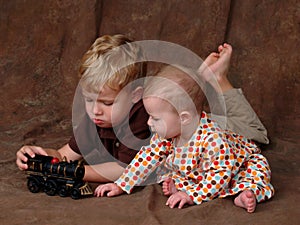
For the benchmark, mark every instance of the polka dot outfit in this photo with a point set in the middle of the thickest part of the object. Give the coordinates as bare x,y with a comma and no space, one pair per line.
213,164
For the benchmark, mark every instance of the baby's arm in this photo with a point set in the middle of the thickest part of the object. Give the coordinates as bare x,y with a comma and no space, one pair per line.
144,163
128,179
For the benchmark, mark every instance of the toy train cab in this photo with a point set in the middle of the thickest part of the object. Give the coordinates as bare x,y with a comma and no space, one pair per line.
64,178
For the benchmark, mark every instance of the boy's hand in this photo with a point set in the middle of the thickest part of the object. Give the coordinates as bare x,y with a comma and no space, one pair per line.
111,189
179,197
31,151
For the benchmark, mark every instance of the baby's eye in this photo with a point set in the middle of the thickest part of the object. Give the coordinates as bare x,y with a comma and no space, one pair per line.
155,119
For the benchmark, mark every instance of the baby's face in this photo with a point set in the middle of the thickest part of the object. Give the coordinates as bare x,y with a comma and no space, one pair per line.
107,108
163,119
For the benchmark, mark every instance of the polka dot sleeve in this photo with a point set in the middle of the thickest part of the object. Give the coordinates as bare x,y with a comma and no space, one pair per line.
213,173
144,163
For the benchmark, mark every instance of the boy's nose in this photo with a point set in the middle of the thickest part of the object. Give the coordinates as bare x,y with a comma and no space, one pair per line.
97,110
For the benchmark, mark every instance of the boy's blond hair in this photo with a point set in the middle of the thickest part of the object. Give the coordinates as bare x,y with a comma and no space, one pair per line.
179,86
111,61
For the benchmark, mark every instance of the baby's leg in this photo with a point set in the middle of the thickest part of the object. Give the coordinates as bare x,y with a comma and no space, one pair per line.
247,200
168,187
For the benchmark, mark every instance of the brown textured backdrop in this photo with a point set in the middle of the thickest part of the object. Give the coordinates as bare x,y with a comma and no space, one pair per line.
41,44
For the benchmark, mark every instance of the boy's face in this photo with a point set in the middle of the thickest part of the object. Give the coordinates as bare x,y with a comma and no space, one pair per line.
163,119
107,108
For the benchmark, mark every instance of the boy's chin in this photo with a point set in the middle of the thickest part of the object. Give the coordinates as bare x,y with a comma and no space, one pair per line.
104,125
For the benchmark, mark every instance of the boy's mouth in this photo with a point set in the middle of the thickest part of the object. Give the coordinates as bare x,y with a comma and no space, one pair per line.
98,121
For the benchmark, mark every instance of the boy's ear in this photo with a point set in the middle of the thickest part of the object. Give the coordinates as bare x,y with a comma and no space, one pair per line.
137,94
185,117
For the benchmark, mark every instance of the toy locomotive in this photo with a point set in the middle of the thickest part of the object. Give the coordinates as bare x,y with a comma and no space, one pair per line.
53,176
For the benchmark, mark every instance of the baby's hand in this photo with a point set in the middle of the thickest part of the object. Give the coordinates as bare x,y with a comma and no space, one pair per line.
111,189
179,197
31,151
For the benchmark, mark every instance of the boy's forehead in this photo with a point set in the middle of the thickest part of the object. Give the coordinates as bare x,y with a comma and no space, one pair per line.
104,91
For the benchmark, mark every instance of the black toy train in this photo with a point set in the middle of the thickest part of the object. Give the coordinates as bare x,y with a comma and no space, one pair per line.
49,174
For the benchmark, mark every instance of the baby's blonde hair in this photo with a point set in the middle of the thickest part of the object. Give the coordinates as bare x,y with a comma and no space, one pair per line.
111,61
179,86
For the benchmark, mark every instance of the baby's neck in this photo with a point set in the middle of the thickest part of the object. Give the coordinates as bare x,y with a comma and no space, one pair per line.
186,135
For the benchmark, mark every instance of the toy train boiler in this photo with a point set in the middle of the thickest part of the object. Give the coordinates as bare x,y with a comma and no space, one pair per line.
49,174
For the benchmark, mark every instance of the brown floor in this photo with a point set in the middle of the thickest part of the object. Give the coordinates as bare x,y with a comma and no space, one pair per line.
147,205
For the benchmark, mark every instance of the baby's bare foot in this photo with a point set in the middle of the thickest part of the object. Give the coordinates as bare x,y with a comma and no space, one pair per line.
246,200
168,187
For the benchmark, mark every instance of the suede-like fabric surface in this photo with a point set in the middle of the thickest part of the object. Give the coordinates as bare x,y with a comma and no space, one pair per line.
41,44
146,205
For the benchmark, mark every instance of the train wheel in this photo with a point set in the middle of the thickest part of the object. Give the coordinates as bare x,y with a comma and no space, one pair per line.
63,192
75,193
33,184
50,187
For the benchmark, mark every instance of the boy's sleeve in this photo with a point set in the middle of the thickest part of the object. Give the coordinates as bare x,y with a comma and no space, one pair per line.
240,117
144,163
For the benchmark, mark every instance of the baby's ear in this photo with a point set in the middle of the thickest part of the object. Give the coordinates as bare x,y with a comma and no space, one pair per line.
185,117
137,94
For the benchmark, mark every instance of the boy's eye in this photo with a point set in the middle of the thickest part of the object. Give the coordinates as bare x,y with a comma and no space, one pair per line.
108,103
